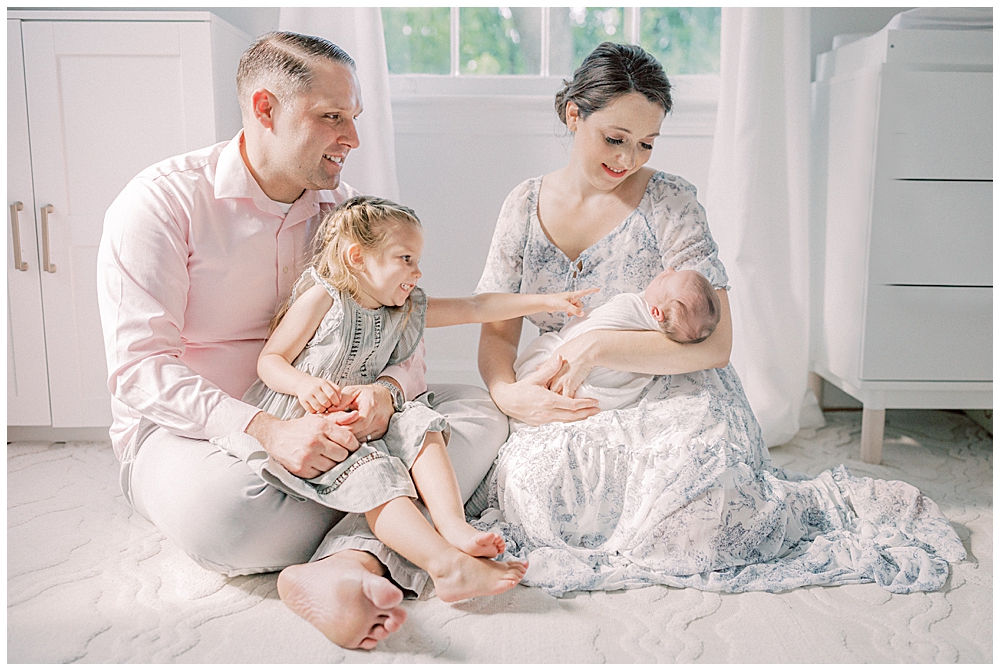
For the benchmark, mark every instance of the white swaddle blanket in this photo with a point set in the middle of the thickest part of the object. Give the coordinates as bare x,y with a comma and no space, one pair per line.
614,389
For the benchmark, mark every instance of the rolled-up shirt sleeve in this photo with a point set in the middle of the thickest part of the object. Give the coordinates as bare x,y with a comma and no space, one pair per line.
143,284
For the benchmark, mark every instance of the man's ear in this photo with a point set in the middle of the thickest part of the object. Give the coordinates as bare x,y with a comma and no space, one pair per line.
657,313
263,105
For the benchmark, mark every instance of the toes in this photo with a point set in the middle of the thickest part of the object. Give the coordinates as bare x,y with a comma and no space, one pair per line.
382,593
377,633
391,626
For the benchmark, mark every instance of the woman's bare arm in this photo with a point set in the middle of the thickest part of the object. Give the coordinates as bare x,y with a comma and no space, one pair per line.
498,343
648,352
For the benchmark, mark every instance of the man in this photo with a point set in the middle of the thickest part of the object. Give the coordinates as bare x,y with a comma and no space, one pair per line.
197,254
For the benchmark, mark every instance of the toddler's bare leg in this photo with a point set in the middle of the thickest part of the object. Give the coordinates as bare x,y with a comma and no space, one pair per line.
456,575
438,488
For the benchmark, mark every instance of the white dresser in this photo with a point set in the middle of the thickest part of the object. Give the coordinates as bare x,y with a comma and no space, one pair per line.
92,99
902,222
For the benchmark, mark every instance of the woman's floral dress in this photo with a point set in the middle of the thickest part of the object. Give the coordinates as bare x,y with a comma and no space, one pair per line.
680,489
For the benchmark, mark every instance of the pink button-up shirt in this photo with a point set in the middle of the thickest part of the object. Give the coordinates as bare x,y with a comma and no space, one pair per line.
193,263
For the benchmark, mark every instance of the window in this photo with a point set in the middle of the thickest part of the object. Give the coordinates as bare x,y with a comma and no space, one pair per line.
471,41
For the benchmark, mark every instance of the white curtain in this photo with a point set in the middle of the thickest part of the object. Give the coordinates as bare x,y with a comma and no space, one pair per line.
757,203
371,169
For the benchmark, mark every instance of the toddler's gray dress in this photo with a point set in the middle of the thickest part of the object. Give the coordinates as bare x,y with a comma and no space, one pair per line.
351,346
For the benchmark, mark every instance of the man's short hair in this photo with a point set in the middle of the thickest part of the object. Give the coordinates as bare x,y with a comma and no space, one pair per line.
281,63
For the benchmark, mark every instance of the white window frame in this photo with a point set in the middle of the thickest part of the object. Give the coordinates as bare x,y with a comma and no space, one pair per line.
696,97
631,21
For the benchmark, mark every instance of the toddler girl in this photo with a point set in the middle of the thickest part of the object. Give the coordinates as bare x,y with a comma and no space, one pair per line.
356,310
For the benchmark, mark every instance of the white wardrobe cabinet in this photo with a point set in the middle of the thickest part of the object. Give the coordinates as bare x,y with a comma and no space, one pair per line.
92,99
903,198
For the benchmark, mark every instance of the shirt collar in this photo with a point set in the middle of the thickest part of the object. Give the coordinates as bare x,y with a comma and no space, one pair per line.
234,180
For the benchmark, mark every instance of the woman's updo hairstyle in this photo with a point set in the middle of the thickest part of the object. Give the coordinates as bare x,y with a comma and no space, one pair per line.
609,72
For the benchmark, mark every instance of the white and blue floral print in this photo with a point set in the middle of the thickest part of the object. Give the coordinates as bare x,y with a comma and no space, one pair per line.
680,490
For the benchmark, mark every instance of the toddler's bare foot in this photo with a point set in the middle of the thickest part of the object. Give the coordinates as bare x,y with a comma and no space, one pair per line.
458,576
471,541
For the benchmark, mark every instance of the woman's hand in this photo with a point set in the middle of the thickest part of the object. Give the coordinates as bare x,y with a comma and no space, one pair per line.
569,302
530,401
577,358
317,395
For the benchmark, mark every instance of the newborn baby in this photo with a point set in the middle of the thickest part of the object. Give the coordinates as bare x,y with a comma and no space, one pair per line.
680,303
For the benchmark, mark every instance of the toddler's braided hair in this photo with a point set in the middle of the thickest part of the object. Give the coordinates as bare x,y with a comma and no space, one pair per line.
366,221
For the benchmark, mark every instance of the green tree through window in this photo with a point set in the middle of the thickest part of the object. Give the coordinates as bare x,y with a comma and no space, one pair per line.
684,39
417,39
493,40
507,40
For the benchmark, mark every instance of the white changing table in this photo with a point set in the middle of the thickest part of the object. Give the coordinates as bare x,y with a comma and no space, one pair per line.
902,212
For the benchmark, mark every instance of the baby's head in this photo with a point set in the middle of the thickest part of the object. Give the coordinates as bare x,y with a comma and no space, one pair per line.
684,303
370,247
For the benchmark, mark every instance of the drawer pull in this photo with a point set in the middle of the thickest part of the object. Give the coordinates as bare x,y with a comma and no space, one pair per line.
46,266
15,234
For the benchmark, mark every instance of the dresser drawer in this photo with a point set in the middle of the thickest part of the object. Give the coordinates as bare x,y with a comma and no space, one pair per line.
935,125
928,333
932,232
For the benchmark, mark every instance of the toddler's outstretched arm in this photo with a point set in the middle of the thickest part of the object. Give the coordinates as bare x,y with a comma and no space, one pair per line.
495,307
274,366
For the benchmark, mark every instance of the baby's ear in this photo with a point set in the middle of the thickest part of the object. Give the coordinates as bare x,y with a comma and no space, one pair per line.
657,313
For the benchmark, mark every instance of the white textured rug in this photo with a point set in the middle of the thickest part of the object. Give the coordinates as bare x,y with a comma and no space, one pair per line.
90,581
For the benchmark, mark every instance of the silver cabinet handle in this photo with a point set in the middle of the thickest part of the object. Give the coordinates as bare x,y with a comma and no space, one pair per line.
46,266
15,234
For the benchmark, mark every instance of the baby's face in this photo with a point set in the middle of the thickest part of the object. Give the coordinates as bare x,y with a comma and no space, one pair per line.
677,302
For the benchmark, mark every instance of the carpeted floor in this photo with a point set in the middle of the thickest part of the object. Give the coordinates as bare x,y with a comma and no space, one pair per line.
90,581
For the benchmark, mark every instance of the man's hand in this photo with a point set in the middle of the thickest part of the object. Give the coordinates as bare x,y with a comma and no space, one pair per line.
307,446
368,413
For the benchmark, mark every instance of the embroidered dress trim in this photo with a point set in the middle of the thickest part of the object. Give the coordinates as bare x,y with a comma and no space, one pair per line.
342,478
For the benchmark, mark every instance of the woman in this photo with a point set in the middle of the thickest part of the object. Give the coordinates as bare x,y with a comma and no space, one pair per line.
679,489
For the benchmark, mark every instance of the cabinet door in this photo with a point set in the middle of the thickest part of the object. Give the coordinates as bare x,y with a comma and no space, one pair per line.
105,100
27,375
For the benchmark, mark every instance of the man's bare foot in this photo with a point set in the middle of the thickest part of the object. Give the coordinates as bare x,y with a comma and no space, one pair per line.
458,576
345,597
471,541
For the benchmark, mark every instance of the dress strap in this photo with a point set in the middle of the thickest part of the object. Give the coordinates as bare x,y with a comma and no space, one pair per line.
308,279
322,281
